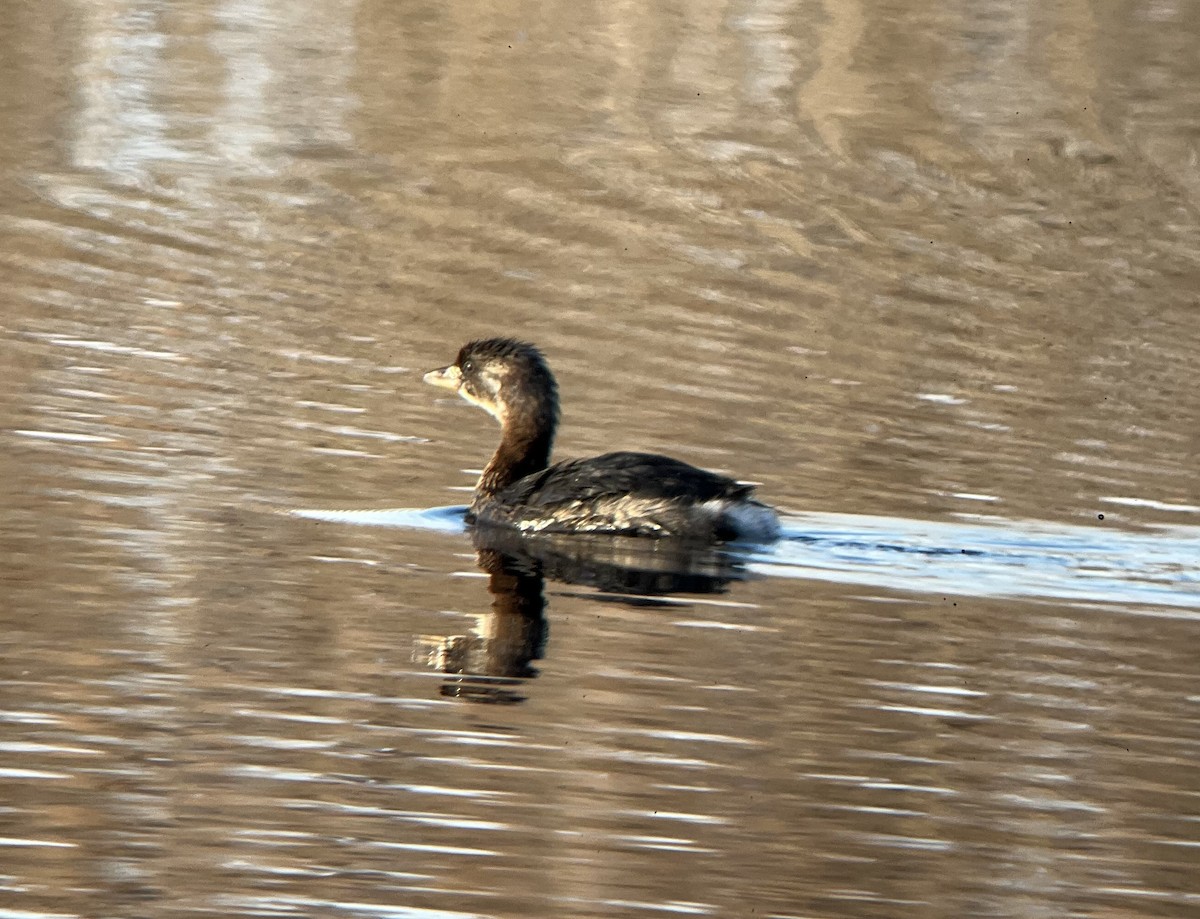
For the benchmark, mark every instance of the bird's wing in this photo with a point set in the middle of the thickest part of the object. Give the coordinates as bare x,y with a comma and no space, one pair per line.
638,475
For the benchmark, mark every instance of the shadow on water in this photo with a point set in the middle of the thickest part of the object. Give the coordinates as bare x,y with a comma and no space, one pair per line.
1153,573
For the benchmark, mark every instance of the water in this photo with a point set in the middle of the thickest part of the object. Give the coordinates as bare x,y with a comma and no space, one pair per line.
997,558
928,274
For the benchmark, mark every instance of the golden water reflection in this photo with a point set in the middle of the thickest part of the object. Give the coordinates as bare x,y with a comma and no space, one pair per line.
931,264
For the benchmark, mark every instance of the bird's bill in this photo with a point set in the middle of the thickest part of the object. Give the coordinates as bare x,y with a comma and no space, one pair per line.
445,377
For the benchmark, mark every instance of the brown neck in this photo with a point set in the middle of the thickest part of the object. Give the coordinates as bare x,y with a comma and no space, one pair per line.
524,449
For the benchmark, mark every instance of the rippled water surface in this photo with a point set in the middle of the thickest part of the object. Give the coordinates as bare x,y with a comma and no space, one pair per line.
930,273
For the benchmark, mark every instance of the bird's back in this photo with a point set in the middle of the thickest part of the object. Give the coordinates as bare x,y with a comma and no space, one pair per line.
624,493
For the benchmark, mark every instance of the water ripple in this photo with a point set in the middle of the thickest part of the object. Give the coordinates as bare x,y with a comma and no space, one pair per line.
1152,571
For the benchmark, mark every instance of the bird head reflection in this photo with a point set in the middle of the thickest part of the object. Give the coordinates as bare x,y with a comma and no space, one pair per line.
493,662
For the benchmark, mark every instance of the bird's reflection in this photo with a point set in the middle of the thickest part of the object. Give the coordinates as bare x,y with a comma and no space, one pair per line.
492,663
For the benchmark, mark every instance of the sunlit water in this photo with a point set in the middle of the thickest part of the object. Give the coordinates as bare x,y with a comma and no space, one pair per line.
994,559
928,273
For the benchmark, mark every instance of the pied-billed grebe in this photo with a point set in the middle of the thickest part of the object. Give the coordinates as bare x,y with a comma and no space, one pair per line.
640,494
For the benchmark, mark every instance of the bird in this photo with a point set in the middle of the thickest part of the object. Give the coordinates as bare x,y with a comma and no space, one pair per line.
623,493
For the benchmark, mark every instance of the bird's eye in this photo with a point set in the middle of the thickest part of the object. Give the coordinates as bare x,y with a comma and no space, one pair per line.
468,366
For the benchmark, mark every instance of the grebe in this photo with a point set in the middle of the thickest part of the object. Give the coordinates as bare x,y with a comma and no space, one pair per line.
630,494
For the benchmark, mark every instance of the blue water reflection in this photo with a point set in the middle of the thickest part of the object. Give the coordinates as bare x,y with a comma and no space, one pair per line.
982,558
